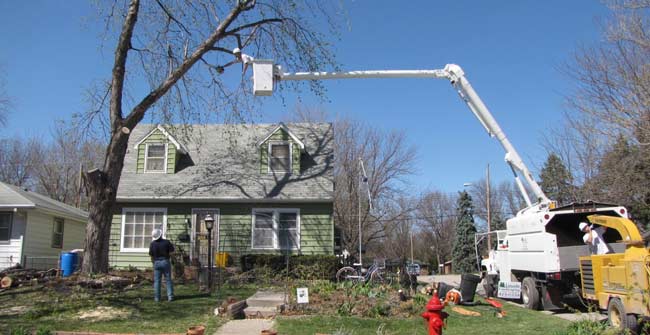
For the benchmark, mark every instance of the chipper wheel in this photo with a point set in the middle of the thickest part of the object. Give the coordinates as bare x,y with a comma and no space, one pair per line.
529,293
618,318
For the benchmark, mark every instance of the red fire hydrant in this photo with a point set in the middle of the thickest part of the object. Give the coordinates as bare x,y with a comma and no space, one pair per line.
434,315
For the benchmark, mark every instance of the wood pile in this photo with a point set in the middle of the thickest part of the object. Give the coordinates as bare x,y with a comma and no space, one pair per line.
16,276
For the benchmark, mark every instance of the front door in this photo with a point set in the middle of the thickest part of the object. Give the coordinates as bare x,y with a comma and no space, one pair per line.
199,248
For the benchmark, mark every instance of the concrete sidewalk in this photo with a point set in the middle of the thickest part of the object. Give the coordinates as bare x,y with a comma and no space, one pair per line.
245,327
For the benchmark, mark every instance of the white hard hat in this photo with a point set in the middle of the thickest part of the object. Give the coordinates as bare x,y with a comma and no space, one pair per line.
156,234
582,226
236,51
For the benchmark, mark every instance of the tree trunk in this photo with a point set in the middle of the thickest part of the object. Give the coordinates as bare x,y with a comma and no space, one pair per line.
101,187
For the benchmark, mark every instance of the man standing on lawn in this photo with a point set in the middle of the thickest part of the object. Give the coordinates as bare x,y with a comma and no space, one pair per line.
159,250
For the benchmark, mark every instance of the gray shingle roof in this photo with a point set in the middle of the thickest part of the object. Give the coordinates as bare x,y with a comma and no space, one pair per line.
15,197
223,164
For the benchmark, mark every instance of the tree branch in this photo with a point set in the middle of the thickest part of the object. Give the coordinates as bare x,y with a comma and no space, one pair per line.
139,110
119,67
171,17
254,24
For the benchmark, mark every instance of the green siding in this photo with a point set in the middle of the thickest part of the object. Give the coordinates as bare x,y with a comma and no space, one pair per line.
280,135
264,159
295,159
235,221
158,137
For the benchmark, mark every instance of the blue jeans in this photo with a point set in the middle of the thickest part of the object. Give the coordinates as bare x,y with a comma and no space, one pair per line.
162,267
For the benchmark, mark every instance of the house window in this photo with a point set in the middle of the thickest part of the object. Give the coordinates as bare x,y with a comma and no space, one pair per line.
276,229
279,157
155,157
137,224
57,233
5,226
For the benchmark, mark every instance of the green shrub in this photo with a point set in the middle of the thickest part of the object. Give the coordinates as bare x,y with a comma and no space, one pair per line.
588,327
305,267
379,309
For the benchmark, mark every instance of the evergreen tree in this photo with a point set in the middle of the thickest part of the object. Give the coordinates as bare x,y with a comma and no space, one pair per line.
556,180
498,223
624,178
463,255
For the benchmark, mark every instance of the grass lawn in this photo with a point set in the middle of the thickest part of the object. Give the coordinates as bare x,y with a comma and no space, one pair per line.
517,321
133,311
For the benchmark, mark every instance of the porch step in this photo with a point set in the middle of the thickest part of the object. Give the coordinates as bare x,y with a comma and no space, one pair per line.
265,299
264,304
260,312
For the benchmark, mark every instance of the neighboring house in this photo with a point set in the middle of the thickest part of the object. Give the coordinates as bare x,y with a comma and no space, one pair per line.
35,229
269,189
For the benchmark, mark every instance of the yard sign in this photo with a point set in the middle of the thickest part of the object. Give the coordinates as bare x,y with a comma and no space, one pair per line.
303,295
509,290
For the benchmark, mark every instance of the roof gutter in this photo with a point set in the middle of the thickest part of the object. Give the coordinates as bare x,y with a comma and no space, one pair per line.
221,200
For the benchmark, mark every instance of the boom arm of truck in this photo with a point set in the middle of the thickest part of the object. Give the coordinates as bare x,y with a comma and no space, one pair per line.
265,72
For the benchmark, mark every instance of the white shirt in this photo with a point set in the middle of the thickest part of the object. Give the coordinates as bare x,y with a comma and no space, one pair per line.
598,245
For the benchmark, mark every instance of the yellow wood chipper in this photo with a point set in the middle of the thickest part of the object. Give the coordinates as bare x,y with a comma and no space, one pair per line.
619,282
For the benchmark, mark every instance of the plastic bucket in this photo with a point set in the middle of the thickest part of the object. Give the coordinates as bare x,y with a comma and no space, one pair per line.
68,263
443,288
468,284
221,259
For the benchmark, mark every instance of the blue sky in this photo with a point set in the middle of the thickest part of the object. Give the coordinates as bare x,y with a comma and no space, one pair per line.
511,52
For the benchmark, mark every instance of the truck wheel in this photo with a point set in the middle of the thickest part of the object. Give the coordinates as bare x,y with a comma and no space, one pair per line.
529,293
618,318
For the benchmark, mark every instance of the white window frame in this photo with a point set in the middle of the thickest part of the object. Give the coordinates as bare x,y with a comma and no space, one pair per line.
146,157
268,158
276,228
54,232
162,210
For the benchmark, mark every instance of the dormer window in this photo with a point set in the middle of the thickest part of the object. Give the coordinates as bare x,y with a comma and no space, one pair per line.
155,159
279,157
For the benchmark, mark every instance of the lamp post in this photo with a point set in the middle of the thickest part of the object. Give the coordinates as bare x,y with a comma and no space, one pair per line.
209,224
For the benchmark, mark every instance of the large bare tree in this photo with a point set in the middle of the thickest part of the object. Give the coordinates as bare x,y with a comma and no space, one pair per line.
606,140
19,160
436,214
181,50
59,164
388,161
612,79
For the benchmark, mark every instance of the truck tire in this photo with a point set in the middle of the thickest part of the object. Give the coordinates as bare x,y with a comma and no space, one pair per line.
618,318
529,293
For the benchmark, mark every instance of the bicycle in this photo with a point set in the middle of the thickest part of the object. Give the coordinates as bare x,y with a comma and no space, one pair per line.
375,274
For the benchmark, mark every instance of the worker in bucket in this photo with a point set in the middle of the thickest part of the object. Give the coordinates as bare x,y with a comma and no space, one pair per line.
160,249
594,238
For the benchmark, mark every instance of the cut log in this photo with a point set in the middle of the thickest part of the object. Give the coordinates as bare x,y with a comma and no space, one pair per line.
6,282
236,310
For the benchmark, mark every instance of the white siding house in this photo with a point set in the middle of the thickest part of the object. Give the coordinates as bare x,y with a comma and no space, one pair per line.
35,229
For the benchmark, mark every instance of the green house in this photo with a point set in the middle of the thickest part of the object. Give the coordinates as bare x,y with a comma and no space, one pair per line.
268,187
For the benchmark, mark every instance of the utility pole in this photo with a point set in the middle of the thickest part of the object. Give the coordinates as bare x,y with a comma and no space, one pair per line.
489,217
359,211
411,245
